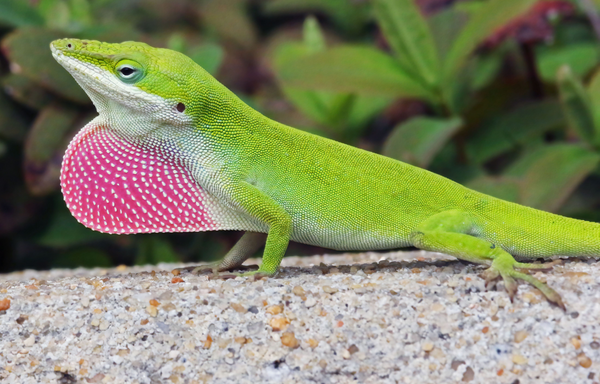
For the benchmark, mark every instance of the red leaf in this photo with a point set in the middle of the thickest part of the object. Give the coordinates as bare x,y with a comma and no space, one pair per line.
534,26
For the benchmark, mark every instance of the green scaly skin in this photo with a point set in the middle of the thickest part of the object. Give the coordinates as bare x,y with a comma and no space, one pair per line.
297,186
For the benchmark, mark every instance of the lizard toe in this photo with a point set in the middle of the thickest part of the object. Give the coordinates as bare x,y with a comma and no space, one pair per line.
507,270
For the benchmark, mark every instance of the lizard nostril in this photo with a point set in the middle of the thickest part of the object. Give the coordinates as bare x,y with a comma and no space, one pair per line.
69,45
180,107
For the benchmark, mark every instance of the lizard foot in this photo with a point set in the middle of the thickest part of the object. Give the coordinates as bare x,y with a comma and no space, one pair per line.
254,275
215,269
506,267
200,269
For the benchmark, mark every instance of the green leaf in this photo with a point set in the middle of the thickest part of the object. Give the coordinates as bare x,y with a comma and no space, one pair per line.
208,55
314,41
63,230
576,105
487,19
410,37
19,13
447,162
581,58
45,144
315,104
593,91
350,16
542,179
551,173
584,197
469,7
230,20
177,42
418,140
339,106
81,13
502,187
13,124
153,250
328,108
71,16
351,69
25,91
486,68
512,129
310,103
113,33
445,27
344,113
28,52
363,109
56,13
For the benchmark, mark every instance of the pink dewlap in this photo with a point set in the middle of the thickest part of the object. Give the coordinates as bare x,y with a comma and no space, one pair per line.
114,186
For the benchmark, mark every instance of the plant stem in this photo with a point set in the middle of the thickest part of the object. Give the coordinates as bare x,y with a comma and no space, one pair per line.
537,87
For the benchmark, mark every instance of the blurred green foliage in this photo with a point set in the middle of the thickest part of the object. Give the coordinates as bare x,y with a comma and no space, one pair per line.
501,95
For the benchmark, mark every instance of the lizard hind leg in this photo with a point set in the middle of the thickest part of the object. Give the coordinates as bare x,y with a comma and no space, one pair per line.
450,232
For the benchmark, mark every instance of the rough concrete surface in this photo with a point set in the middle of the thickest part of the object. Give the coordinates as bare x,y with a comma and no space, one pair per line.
411,317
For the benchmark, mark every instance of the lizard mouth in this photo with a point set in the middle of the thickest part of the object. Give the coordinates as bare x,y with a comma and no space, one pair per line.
59,56
108,93
92,79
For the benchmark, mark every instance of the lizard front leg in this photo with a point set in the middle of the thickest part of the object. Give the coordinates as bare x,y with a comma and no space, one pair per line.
263,208
449,232
246,246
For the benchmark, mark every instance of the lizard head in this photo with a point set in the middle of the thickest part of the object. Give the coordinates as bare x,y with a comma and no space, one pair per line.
137,87
132,169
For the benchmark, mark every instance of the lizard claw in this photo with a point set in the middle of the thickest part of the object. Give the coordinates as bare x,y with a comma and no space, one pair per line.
511,287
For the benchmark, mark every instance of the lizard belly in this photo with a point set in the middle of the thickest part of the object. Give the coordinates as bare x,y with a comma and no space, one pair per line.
346,240
365,228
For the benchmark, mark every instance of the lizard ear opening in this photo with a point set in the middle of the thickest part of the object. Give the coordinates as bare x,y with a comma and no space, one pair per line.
180,107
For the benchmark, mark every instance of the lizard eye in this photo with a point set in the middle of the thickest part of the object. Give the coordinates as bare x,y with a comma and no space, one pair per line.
129,72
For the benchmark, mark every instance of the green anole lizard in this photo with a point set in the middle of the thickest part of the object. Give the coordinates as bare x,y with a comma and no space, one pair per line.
173,150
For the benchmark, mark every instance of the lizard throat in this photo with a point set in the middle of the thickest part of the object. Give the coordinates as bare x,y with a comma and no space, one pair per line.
112,185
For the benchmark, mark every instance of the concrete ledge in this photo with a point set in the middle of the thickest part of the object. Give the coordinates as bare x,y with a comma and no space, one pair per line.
415,318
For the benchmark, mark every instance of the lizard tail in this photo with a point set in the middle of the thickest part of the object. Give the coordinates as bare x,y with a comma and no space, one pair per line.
531,233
